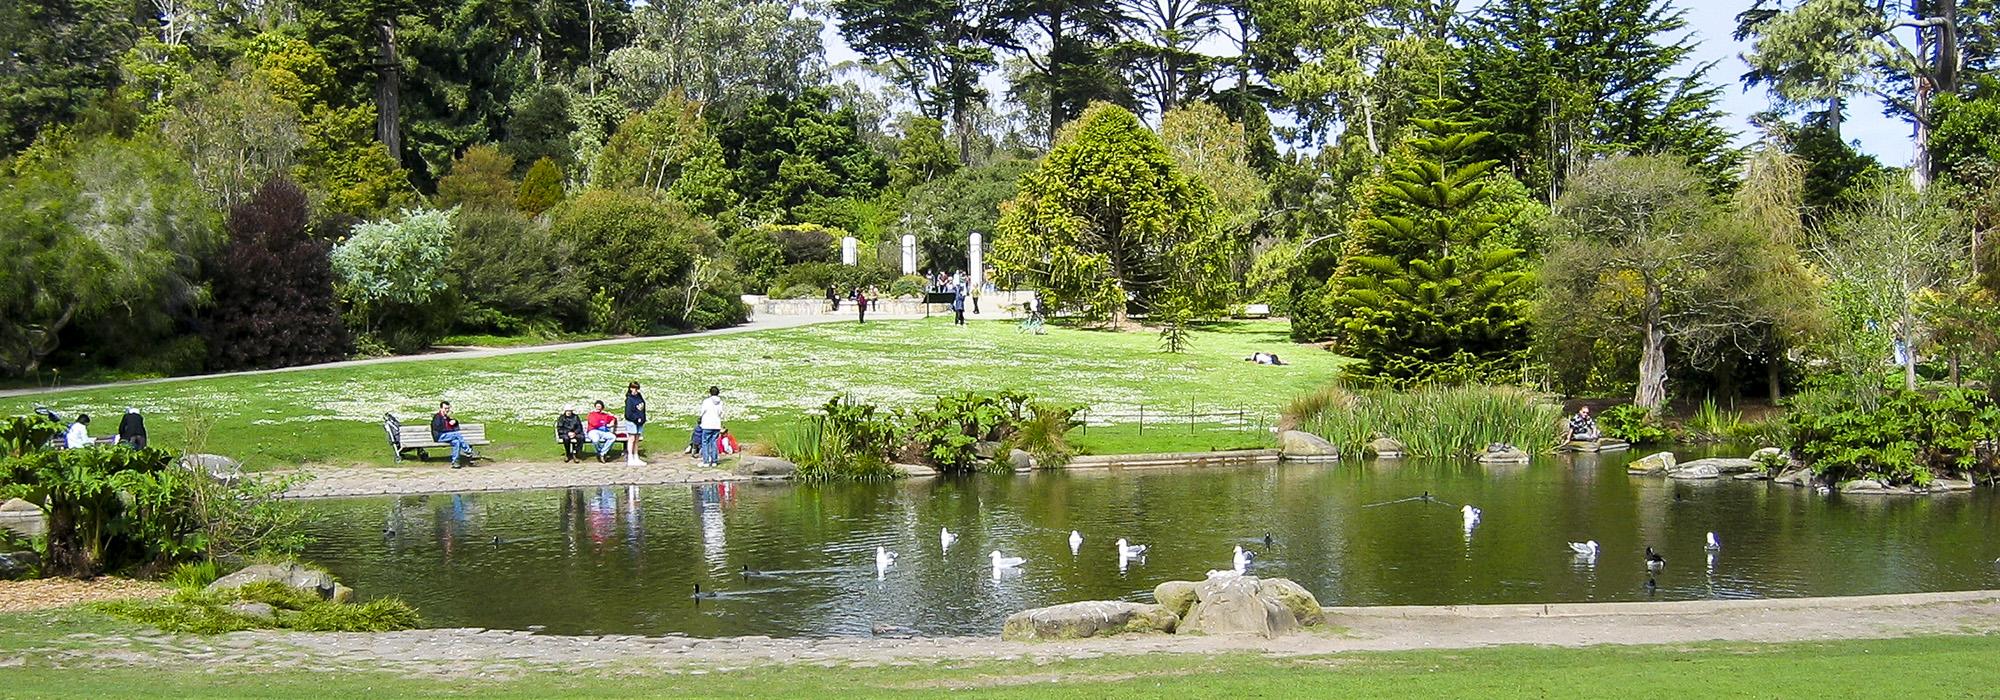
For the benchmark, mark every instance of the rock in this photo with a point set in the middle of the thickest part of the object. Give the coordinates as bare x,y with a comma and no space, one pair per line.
18,565
1725,465
217,467
1942,485
303,578
1229,604
1654,464
1502,453
765,466
1693,471
1866,486
1771,458
1795,477
986,449
1752,476
1301,602
15,505
1303,446
1020,460
915,469
1090,618
1385,448
893,631
261,611
341,594
1176,596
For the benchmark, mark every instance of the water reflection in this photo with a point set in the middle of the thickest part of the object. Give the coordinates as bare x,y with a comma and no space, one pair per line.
625,559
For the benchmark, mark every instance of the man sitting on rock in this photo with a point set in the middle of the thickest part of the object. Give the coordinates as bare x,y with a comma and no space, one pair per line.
1582,427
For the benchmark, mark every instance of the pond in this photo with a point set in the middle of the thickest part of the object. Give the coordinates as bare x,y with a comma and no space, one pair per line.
624,560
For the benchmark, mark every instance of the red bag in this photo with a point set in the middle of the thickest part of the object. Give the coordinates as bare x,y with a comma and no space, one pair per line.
727,444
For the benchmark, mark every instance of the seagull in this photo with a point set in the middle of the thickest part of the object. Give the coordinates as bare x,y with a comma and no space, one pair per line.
1584,549
1713,543
1130,550
1075,542
1241,560
1471,516
945,538
1654,562
883,560
1001,561
700,594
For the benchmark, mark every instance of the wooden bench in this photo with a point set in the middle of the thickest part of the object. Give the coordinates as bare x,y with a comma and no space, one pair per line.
624,433
1256,310
404,438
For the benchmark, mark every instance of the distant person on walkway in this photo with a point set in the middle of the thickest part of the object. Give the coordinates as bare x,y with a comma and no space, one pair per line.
132,430
833,297
975,298
569,432
860,306
601,429
958,307
711,426
444,428
635,413
1582,427
79,433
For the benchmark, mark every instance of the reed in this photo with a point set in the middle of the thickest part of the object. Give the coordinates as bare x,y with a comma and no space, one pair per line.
1437,421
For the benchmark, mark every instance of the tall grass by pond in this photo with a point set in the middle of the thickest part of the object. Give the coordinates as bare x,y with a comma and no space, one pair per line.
1447,421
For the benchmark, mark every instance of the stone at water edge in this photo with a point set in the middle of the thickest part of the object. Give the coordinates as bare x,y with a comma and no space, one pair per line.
217,467
1723,465
1795,477
260,611
765,466
1230,604
986,449
914,469
1503,454
16,505
341,594
1656,463
303,578
1301,445
1175,596
1694,471
16,565
1385,448
1090,618
1303,604
1943,485
1020,460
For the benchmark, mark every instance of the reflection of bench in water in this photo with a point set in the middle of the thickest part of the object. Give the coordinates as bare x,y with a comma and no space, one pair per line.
405,438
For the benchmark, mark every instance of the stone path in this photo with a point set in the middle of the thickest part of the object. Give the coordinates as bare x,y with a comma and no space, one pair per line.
454,653
333,482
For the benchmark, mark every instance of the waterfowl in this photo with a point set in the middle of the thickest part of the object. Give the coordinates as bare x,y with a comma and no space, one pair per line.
1241,560
753,573
884,559
1268,542
1075,542
700,594
945,538
1130,550
1713,543
1471,516
1001,561
1584,549
1654,562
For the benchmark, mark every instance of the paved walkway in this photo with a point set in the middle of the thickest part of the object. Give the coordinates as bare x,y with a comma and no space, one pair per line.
762,323
509,476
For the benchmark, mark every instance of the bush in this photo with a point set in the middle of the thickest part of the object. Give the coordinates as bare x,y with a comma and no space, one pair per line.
1710,423
1632,424
646,252
1432,421
393,276
513,274
800,291
847,441
1908,437
758,257
806,243
200,612
908,287
273,301
541,189
1044,434
108,506
480,178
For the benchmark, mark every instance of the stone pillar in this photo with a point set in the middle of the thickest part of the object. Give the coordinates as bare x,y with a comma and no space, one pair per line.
909,254
847,245
975,261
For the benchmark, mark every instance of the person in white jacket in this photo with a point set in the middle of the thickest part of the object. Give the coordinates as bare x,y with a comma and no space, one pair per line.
79,433
711,426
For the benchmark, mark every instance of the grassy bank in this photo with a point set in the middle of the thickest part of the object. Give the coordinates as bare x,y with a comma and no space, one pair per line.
1958,666
1430,421
771,378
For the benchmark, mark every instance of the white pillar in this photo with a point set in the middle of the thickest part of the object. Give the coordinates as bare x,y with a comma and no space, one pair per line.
909,254
847,244
975,258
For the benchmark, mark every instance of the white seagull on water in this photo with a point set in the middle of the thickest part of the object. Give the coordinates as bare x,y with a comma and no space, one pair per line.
1713,543
1584,549
945,538
1001,561
1127,550
883,560
1075,542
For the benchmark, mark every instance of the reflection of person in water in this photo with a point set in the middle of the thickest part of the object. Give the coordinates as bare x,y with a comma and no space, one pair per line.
708,500
603,509
632,528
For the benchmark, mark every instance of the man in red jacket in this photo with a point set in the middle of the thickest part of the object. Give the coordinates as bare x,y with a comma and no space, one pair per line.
601,429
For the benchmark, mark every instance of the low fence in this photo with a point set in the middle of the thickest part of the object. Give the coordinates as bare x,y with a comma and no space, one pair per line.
1190,417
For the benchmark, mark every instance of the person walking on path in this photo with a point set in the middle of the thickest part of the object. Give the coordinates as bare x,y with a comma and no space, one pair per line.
958,307
975,299
569,432
132,430
444,429
711,426
860,306
635,413
833,297
600,429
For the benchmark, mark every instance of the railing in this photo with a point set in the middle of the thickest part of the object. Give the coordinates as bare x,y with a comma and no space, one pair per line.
1166,418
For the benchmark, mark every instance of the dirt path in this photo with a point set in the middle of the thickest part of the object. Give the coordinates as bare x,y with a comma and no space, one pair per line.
333,482
500,653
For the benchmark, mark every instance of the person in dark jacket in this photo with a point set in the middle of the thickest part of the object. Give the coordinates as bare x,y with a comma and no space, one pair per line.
444,429
635,411
132,430
958,307
860,306
569,432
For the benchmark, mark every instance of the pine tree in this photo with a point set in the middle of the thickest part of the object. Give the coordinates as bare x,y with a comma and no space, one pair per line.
541,189
1428,291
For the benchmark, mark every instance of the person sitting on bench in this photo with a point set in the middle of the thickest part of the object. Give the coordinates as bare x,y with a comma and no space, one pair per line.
1582,427
444,429
132,430
601,429
569,432
78,435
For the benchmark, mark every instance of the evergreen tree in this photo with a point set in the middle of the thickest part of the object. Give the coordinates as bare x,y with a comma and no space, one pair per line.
541,189
1429,293
274,307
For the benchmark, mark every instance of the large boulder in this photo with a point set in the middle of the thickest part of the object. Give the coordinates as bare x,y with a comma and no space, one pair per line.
1944,485
1872,487
1795,477
1303,604
915,469
256,611
1176,596
986,449
1385,448
1502,453
295,576
1090,618
17,506
1302,446
1724,465
765,466
1229,604
1020,460
1693,470
1655,464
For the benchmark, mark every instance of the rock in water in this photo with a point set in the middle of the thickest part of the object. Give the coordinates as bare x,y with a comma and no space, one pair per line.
1385,448
1656,464
1694,470
1723,465
1090,618
1020,460
914,469
221,469
1175,596
1303,604
303,578
1231,605
1302,446
765,466
17,565
1501,453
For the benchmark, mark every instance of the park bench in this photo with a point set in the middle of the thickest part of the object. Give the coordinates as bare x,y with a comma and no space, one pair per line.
404,438
1256,310
624,432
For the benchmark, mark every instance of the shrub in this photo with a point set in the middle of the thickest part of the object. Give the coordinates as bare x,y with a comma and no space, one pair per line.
392,274
844,278
806,243
194,575
1632,424
1710,423
200,612
541,189
758,257
1044,434
643,250
1433,421
108,506
1908,437
847,441
800,291
273,303
908,287
480,178
513,274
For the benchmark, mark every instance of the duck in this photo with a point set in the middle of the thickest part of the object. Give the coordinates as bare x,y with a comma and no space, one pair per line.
1075,542
1126,550
1584,549
1713,543
700,594
884,559
1654,562
1268,542
1001,561
945,538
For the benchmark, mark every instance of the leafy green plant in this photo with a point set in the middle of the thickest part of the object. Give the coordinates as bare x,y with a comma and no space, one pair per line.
1632,424
1044,434
1908,437
948,432
200,612
1710,423
194,575
847,441
91,528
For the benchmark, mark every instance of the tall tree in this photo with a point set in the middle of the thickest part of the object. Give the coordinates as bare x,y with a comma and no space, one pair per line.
721,54
60,55
1361,65
1064,45
790,156
671,150
1162,45
275,306
1880,261
936,49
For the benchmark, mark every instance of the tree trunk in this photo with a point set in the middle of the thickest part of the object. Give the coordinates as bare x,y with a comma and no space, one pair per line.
1774,373
961,122
1652,391
69,554
1055,72
388,97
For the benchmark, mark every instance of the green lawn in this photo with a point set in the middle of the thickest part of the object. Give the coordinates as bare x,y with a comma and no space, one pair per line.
1923,667
770,379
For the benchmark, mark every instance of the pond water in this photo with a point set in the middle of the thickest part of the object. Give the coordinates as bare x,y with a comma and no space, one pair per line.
625,559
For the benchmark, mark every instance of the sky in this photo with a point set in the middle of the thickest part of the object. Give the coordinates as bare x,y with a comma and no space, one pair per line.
1710,22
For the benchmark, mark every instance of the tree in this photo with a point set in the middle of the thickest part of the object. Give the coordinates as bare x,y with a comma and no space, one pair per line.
1644,254
643,252
1362,65
1429,292
936,50
515,276
541,189
61,55
275,305
943,213
235,135
721,55
791,155
392,275
920,155
1879,262
669,149
480,178
1208,146
1063,44
1108,220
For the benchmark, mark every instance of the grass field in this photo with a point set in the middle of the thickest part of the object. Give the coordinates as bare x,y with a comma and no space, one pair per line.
770,378
1922,667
